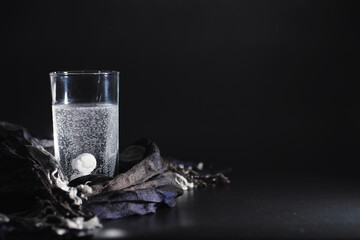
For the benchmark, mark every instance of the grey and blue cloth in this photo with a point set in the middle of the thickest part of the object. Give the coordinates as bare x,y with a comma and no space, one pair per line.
37,199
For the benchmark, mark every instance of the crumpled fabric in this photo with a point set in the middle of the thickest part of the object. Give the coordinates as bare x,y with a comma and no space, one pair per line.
144,187
37,198
34,195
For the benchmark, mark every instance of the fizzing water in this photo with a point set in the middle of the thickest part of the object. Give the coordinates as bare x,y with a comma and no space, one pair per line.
86,128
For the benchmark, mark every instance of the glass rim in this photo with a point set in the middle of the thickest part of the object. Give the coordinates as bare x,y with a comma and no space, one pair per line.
83,72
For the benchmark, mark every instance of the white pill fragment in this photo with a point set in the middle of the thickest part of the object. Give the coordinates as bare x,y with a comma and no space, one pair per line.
200,166
84,163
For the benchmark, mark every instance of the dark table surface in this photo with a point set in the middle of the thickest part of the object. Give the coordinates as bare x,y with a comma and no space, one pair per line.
253,207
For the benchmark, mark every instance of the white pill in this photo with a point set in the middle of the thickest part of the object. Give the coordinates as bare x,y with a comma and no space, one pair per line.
85,163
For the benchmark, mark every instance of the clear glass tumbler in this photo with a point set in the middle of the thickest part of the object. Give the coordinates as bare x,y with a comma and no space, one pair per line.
85,110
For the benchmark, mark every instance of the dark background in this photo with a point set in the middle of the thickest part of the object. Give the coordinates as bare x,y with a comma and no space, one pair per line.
260,86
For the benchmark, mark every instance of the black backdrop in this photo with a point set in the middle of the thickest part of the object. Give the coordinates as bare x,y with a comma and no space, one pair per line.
261,86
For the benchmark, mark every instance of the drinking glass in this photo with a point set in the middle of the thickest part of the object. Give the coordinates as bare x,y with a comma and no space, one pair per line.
85,121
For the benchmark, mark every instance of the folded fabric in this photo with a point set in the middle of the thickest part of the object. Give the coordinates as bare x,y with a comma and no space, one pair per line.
145,186
37,198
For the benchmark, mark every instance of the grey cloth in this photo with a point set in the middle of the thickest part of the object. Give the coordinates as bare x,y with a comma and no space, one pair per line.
137,177
31,194
36,199
147,185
